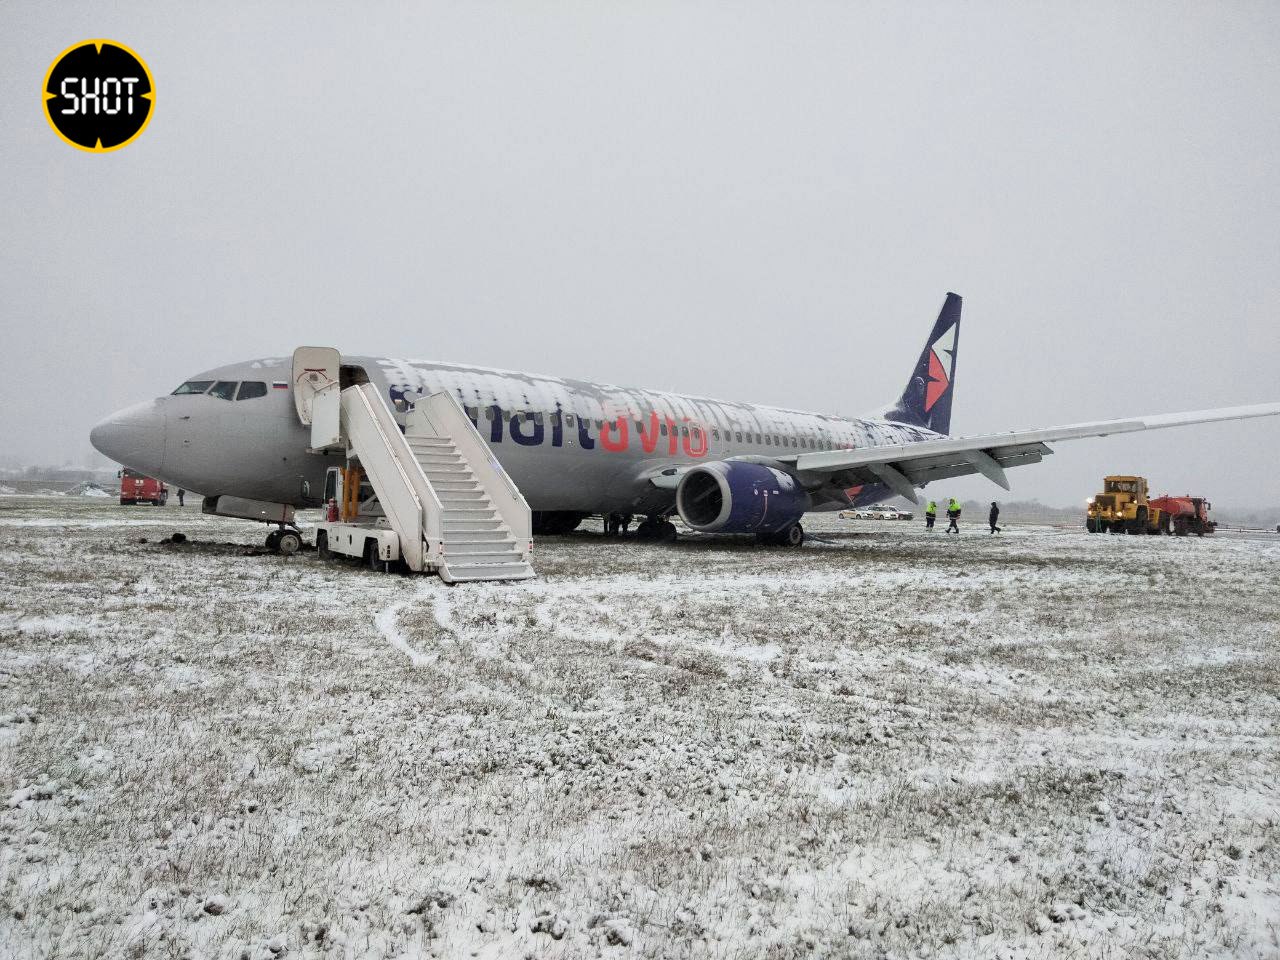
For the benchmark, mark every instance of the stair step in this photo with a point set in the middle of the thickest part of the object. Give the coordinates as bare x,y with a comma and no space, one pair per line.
499,543
464,496
491,557
490,571
429,441
462,537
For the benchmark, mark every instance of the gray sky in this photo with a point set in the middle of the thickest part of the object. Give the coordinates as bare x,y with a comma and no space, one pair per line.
762,202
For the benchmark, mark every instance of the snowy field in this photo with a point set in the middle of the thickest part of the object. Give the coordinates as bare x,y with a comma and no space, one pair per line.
1042,744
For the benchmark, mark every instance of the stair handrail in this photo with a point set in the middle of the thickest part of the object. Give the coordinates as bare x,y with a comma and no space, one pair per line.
448,418
426,505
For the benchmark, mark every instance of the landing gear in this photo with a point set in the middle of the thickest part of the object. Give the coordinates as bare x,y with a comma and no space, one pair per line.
322,546
657,529
789,536
555,523
284,540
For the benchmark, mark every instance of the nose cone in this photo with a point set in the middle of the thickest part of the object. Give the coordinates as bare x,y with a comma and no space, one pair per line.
133,437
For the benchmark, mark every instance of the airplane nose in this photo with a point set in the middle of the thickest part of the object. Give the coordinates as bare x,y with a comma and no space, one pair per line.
133,437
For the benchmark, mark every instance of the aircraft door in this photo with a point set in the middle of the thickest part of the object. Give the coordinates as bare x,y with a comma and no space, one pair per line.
314,368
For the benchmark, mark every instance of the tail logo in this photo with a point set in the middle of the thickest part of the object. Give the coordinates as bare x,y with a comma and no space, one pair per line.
938,381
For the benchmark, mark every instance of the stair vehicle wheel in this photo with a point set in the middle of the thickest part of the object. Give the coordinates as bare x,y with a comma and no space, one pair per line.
273,539
322,545
290,542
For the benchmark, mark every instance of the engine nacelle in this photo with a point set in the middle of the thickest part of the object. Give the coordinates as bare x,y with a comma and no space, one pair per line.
733,496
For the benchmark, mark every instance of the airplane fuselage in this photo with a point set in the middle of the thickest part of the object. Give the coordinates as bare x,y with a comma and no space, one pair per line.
570,445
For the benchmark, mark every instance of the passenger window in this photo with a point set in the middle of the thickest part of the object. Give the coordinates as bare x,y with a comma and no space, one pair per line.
737,436
223,389
715,434
193,386
251,389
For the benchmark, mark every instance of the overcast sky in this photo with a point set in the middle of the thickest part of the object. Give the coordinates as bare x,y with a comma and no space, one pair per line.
762,202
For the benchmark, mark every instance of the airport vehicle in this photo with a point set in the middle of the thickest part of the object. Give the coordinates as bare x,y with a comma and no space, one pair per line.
245,437
1122,507
137,488
464,517
1184,515
877,511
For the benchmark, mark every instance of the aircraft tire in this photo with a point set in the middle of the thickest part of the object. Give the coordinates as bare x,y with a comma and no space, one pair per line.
290,542
792,536
273,540
322,545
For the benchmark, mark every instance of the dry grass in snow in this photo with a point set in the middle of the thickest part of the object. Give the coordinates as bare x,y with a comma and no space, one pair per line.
885,744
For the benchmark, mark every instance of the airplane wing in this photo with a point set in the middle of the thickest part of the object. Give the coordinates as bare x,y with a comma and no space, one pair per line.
902,467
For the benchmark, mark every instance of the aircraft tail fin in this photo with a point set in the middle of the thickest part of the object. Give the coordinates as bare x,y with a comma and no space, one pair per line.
926,401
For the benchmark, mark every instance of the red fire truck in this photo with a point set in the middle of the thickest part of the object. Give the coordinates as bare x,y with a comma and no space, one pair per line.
139,488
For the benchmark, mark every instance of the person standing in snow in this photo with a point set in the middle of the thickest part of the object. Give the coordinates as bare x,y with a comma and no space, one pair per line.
930,514
181,494
994,516
953,515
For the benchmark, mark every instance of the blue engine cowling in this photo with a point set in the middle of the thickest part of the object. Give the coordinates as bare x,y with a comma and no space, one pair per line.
734,496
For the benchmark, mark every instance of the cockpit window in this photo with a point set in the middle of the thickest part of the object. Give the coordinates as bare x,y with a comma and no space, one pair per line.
225,389
250,389
193,386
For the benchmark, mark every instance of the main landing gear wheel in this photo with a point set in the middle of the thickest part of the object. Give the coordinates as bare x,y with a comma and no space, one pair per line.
273,539
322,545
660,531
791,536
289,542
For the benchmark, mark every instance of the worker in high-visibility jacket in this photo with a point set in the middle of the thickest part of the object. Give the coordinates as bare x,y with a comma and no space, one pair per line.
930,514
953,515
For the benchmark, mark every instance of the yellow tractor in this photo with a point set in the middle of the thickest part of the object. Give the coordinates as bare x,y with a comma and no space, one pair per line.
1122,507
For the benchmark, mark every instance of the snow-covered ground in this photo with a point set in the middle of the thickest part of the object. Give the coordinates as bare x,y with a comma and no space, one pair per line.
1040,744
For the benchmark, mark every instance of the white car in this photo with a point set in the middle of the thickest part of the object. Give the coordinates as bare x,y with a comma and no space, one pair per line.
877,511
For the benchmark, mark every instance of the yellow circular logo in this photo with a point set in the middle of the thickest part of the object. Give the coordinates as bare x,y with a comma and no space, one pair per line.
98,95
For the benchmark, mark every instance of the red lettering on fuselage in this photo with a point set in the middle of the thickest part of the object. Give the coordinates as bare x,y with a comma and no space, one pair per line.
649,435
695,441
608,429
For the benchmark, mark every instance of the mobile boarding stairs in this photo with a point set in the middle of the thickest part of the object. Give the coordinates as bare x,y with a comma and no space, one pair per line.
441,503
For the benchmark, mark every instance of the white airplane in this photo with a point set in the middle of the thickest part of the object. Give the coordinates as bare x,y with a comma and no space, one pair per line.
576,448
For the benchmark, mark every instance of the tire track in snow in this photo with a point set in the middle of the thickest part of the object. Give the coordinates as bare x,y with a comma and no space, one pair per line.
387,622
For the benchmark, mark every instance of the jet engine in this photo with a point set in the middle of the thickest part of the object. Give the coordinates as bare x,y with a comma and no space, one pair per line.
737,496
